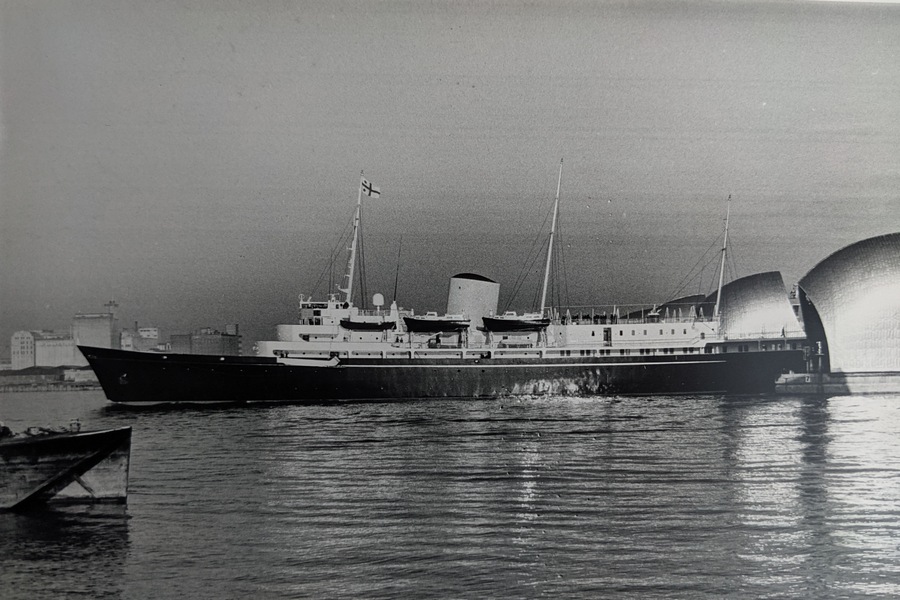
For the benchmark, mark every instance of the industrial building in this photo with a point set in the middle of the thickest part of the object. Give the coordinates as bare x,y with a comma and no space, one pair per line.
98,329
141,339
44,349
207,341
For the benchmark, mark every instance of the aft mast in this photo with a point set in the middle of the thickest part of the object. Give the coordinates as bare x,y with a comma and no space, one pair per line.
722,269
550,246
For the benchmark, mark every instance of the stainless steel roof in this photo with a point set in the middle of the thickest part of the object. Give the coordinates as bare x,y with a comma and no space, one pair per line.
856,294
756,305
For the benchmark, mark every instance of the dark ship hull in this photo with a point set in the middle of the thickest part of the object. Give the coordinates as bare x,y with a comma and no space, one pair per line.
155,378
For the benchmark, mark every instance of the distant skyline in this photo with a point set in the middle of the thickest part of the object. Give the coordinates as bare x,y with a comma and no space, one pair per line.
196,162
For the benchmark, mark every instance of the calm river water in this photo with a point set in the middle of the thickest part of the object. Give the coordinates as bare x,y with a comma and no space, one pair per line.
688,497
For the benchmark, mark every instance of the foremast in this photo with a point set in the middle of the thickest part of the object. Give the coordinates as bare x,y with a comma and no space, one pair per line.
351,261
336,319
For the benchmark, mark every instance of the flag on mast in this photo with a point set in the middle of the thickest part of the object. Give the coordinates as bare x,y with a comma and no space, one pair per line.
369,190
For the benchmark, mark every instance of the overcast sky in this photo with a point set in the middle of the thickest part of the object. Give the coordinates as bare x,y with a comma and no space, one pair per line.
197,161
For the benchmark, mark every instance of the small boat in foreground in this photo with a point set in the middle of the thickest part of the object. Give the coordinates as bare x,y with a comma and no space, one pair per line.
68,467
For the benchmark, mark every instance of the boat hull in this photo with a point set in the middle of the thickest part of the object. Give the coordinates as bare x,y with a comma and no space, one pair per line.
422,325
143,377
90,466
500,325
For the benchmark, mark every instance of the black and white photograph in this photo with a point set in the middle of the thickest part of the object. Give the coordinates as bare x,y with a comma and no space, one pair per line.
449,299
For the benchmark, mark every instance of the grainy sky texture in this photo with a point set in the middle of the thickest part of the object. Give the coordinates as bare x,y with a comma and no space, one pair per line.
196,161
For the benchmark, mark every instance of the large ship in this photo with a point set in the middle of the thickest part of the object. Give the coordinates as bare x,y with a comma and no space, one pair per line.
739,339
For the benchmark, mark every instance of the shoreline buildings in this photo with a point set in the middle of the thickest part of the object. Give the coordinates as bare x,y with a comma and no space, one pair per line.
43,348
47,348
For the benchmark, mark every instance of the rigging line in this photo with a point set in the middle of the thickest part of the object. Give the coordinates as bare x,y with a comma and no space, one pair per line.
732,255
731,272
536,251
531,258
709,255
563,286
545,247
519,283
556,280
689,276
342,244
562,277
328,269
535,268
712,287
553,283
535,298
537,245
700,287
397,273
536,295
332,262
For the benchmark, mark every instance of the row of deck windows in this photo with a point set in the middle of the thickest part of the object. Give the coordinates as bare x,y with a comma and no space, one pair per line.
661,332
627,351
684,350
765,347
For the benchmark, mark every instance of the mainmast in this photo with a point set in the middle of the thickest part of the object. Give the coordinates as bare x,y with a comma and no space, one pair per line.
722,269
550,246
351,263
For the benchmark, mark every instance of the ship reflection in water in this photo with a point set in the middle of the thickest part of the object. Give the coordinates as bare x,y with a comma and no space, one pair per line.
708,497
817,480
690,496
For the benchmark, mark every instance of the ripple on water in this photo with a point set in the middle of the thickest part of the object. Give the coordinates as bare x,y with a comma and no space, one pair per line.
578,497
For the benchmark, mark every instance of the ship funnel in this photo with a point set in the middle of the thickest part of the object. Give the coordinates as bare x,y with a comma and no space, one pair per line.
474,296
